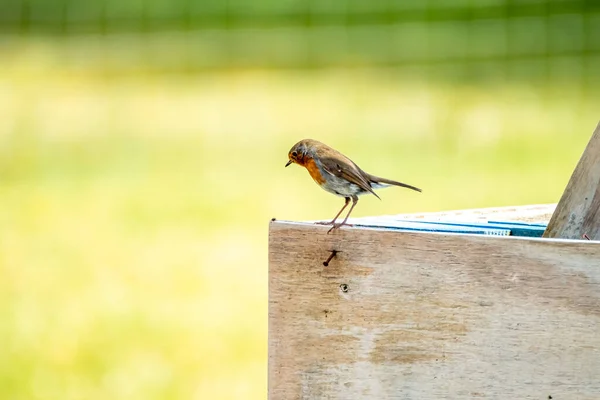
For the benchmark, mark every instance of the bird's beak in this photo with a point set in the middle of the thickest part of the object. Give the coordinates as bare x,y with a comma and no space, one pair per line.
288,163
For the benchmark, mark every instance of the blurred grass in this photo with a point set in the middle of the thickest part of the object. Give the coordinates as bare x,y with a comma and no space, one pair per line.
134,208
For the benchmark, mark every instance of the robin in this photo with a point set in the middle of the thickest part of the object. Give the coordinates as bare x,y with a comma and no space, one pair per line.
337,174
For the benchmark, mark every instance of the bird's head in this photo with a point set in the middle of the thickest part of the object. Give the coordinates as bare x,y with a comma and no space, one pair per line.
299,152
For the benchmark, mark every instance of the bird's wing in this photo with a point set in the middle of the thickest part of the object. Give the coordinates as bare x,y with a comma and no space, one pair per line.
348,171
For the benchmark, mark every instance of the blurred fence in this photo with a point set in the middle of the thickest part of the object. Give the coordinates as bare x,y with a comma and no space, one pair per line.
528,39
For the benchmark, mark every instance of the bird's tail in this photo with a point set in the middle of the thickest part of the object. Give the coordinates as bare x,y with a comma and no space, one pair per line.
378,180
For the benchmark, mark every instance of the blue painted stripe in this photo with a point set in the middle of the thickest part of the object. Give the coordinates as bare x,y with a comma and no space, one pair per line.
431,226
544,224
499,228
516,229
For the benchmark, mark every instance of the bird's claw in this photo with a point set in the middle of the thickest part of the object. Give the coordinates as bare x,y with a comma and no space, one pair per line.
337,226
325,223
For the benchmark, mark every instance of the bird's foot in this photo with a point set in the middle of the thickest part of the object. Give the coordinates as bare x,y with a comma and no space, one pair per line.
325,222
337,226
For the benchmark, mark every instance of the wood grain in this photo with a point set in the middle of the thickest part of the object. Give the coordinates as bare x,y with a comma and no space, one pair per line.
431,316
578,211
528,213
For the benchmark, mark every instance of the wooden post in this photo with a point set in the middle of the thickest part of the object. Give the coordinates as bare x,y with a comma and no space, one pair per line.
419,316
577,215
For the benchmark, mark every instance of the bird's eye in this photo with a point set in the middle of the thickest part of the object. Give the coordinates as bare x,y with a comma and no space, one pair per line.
294,154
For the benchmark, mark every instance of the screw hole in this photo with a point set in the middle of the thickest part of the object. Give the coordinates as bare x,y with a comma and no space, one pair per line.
344,287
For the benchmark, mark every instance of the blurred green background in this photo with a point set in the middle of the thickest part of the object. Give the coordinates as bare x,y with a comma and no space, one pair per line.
142,145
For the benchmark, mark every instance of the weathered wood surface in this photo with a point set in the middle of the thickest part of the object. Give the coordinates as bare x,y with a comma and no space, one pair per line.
578,211
528,213
431,316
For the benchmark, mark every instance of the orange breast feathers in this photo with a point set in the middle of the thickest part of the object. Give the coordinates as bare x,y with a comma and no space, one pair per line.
314,171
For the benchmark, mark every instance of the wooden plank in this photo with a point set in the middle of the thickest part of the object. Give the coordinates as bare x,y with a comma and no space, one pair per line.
450,226
578,211
429,226
528,213
404,315
528,220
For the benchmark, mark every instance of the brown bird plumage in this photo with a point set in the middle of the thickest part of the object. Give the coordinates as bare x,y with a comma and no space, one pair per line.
337,174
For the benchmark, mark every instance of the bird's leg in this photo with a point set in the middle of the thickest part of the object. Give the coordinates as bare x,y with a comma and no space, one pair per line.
332,222
336,226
